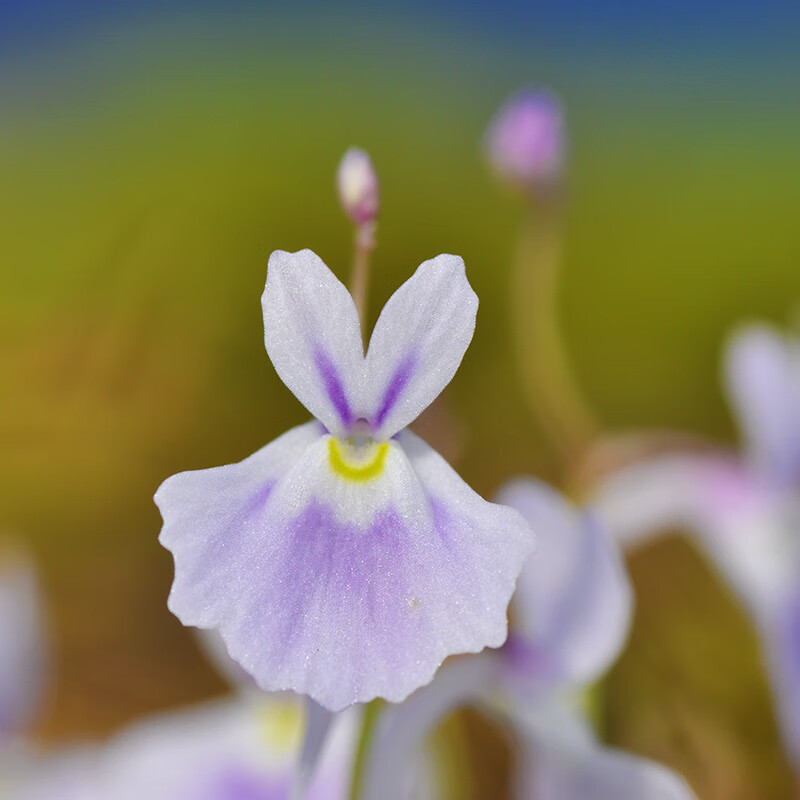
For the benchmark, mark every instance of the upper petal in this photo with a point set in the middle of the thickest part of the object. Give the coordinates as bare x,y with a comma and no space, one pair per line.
418,343
762,371
573,603
344,585
313,337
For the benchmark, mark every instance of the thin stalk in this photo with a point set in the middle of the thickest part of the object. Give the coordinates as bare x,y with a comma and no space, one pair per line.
369,720
359,282
544,366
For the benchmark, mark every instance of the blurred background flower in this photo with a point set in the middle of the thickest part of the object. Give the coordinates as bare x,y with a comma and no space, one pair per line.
152,155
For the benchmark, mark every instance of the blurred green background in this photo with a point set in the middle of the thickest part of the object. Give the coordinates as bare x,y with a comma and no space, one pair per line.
149,163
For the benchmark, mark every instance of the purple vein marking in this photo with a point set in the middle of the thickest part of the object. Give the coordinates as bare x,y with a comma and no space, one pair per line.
396,385
333,386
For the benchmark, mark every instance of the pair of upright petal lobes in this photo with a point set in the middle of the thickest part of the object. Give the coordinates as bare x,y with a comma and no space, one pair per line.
346,559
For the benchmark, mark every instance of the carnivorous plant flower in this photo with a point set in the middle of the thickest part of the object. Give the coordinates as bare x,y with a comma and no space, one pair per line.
347,559
744,510
570,618
242,748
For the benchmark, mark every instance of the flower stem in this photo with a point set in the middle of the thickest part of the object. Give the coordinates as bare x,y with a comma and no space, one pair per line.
369,720
359,283
548,381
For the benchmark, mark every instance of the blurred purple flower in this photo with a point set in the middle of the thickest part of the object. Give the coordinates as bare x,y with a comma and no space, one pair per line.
745,510
526,142
346,559
570,617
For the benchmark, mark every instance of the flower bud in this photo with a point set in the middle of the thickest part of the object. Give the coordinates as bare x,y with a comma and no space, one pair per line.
526,142
357,184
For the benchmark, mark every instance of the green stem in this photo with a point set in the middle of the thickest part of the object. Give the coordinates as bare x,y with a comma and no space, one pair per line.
369,722
549,383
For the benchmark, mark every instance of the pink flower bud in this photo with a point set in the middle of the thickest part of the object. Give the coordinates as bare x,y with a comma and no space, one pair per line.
526,142
358,188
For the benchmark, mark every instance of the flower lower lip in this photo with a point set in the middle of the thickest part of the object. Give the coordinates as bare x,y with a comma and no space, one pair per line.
359,471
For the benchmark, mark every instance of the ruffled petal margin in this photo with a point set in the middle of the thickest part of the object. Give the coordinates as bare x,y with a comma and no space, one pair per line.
342,586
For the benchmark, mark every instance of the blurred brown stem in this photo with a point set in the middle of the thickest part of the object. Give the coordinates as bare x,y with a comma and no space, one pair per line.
549,384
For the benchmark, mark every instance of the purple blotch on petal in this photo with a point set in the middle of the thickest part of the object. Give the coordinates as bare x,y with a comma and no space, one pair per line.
360,569
333,386
238,783
396,385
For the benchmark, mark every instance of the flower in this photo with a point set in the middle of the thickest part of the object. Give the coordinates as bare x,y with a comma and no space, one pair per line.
357,184
231,749
570,617
745,509
346,559
573,604
526,142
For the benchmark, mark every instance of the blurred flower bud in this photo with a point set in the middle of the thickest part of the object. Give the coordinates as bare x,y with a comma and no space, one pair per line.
526,142
358,187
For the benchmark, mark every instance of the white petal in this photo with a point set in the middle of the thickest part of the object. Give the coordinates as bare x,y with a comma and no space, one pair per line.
762,369
72,774
22,649
223,750
396,766
781,644
318,727
343,588
745,526
418,343
313,337
204,509
573,603
558,765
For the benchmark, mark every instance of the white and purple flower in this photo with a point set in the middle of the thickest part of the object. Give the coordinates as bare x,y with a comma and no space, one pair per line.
232,749
346,560
570,618
744,509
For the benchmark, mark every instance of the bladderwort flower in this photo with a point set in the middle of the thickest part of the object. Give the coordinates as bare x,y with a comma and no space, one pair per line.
346,560
526,142
241,748
570,617
744,509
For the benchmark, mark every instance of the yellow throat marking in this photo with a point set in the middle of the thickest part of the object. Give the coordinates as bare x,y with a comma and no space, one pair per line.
360,471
